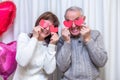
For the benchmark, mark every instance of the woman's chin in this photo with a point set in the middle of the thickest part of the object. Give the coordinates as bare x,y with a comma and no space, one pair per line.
44,35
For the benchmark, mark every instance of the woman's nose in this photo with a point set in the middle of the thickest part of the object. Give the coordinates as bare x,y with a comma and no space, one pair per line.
47,28
45,25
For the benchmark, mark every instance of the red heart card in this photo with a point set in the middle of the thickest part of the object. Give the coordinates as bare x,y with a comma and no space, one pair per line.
53,29
45,24
41,23
79,22
68,23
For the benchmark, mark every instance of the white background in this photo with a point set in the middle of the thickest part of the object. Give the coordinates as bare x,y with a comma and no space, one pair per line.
103,15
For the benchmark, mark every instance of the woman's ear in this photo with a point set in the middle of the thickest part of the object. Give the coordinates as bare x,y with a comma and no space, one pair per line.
84,17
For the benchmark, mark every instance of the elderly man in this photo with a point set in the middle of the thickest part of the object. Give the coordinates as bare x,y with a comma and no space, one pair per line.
80,50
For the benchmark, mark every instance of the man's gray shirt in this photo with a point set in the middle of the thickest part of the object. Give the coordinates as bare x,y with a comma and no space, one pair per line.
79,60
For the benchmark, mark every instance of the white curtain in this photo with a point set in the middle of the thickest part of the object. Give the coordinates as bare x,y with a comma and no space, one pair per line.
102,15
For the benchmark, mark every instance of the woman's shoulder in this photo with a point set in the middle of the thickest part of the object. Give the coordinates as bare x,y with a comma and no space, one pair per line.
23,36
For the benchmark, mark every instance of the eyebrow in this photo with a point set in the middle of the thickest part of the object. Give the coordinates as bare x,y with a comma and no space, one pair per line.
67,19
76,18
73,20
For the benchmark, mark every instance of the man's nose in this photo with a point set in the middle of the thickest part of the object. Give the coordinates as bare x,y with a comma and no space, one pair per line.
73,24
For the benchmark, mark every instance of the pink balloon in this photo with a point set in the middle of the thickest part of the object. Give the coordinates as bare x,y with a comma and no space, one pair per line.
7,15
7,59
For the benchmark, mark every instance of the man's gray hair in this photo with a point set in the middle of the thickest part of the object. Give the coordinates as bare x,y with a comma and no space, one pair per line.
74,8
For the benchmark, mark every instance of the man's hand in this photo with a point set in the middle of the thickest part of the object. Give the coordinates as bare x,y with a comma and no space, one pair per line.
85,33
66,35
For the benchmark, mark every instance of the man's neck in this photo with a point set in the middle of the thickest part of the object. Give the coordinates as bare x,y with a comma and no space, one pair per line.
75,37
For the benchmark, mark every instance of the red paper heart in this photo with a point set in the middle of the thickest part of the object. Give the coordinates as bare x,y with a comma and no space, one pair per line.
79,22
7,15
7,59
53,29
68,23
41,22
45,24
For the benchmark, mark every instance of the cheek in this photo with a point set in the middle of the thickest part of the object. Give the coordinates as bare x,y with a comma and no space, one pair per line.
47,28
49,33
80,27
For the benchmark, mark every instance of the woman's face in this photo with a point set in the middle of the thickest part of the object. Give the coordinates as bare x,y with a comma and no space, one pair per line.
45,28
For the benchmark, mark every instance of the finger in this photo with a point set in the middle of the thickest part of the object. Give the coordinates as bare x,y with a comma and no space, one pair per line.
83,25
69,35
53,33
63,29
37,28
66,28
41,27
85,28
82,29
51,40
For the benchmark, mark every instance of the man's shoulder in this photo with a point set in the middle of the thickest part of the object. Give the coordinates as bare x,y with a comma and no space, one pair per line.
95,34
61,40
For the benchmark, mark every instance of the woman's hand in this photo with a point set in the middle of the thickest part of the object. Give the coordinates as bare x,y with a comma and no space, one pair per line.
54,38
36,31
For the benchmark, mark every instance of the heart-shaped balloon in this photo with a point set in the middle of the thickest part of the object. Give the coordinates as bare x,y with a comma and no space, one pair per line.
7,15
7,59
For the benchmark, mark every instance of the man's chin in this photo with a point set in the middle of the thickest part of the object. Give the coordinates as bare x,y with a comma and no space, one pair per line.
75,35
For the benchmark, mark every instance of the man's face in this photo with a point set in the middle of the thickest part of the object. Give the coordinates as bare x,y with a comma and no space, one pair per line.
74,15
